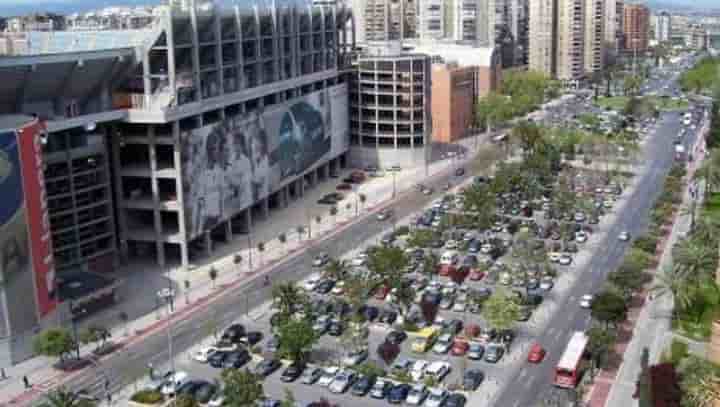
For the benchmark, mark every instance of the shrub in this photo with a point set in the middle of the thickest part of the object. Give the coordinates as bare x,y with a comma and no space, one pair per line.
370,369
147,396
647,243
678,351
402,230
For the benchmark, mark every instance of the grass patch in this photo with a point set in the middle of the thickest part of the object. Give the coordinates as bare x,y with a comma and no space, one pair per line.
614,102
712,206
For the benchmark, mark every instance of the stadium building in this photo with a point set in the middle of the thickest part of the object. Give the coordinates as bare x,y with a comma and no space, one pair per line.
159,141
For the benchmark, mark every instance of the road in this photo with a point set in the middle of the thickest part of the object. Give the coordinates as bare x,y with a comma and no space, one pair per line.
536,379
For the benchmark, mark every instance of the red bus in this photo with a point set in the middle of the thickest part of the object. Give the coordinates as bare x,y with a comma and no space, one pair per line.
569,370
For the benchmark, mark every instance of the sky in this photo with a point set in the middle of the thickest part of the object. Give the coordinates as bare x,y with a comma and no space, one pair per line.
14,7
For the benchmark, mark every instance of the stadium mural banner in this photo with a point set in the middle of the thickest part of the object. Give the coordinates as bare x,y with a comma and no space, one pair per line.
15,269
31,158
229,165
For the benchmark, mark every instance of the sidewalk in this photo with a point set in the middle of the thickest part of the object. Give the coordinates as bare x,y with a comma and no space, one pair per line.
144,280
648,322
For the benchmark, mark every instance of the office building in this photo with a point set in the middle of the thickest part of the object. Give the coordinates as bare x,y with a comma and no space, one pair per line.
595,46
474,21
697,37
636,27
613,28
663,27
390,108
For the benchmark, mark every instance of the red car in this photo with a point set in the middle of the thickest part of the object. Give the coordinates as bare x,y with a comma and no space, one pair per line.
476,274
460,347
382,292
537,353
445,270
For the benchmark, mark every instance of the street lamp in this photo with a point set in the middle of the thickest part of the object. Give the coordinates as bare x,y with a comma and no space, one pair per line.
394,192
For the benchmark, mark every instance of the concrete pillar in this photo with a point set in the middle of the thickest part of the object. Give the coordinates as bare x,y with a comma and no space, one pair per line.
301,187
184,256
248,219
160,256
266,208
325,171
228,231
314,177
208,243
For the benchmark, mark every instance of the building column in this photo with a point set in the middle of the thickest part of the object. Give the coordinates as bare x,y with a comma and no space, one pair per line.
160,249
301,187
184,256
266,207
228,230
325,171
208,243
314,177
285,196
248,219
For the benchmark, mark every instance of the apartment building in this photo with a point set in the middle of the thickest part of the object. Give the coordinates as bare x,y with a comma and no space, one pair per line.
570,40
594,46
636,27
385,20
432,20
663,27
543,40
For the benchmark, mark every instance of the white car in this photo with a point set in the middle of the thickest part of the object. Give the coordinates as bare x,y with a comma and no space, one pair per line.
417,395
328,376
339,288
417,370
321,259
451,244
359,260
459,306
581,237
436,398
565,259
341,382
217,401
586,301
202,354
546,284
579,217
554,257
438,370
174,382
624,236
312,282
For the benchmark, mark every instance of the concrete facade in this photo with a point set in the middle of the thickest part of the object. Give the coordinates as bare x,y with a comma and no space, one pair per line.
453,101
390,109
663,27
542,54
570,40
595,45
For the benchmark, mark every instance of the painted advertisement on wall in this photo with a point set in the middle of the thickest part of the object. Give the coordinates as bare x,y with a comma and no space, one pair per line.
33,176
17,307
229,165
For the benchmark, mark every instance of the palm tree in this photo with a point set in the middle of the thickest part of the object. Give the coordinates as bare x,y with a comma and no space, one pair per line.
674,283
704,392
709,171
287,296
694,259
63,397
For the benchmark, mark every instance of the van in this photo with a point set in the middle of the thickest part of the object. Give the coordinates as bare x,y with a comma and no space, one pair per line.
449,257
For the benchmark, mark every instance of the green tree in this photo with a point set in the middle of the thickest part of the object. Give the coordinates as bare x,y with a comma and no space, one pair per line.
600,341
287,297
54,342
241,388
296,338
93,334
213,274
430,265
529,135
672,282
627,280
62,397
608,307
336,269
501,310
387,265
698,381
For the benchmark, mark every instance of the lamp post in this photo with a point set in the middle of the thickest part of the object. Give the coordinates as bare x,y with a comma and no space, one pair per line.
394,191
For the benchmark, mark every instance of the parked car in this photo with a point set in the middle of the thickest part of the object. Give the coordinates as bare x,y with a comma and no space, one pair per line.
355,357
342,381
292,372
266,367
536,354
416,395
381,389
494,353
455,400
362,385
436,398
311,375
328,375
398,393
472,379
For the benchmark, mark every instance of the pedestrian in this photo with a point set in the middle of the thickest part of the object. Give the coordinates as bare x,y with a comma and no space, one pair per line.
3,375
26,382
